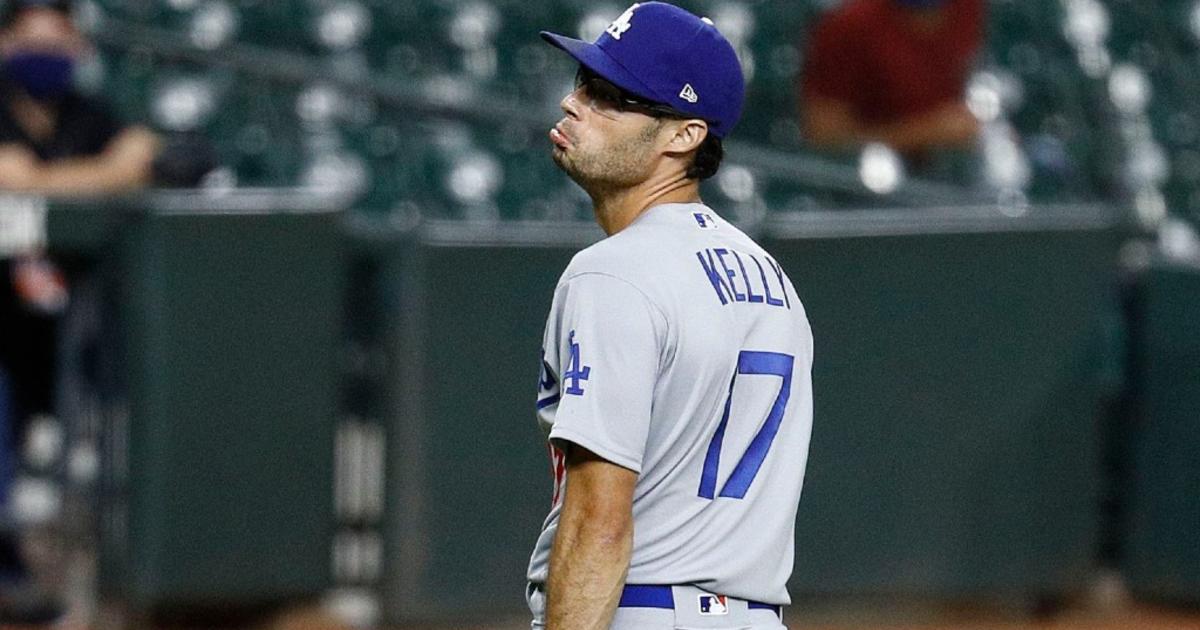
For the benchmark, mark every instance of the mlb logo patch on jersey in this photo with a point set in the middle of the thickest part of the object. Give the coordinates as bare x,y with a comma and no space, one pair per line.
704,220
713,605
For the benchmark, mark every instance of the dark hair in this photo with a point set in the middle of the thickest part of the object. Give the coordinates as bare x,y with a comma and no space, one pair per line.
708,159
12,8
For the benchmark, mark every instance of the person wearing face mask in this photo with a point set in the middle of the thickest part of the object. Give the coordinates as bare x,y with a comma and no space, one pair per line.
53,141
894,72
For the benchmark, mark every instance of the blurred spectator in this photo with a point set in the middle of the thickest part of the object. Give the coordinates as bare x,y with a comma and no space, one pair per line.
892,71
52,141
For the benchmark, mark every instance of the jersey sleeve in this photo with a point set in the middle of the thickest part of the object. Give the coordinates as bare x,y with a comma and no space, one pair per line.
608,339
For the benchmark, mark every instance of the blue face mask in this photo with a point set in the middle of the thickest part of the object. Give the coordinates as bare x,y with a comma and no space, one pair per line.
45,76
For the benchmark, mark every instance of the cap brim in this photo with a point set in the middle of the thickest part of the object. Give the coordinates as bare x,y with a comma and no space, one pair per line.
595,59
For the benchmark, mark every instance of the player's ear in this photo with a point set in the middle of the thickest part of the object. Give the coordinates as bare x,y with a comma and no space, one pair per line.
688,136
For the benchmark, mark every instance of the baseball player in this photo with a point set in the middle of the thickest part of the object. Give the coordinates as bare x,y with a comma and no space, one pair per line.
675,382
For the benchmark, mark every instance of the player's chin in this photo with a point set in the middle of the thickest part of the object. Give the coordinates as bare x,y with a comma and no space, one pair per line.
560,158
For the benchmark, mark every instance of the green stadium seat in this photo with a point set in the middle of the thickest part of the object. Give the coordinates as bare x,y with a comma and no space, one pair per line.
1067,124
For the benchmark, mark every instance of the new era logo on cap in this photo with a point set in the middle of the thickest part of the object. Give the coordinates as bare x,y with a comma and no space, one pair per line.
688,93
666,55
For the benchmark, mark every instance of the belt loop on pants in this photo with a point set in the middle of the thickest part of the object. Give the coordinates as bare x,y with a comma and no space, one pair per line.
661,596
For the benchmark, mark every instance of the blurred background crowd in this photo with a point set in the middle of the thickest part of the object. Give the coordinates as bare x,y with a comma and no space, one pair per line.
434,112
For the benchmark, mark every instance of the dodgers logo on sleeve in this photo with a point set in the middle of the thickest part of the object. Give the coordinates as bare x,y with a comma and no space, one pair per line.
576,371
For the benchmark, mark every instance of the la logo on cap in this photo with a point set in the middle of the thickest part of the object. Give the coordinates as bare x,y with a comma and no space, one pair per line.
689,94
622,24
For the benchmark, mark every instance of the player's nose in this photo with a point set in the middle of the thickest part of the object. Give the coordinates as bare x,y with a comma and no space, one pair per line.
570,103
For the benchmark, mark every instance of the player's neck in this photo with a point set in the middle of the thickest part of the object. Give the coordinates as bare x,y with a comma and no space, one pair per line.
617,209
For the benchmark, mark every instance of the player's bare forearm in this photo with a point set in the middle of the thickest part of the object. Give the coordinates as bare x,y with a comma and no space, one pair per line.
587,573
592,546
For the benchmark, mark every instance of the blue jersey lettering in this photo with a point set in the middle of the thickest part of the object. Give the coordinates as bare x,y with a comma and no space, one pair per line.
723,278
772,300
710,270
721,253
755,299
782,285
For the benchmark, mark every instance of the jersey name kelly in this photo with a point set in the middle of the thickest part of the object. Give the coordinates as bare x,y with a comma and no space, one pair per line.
735,280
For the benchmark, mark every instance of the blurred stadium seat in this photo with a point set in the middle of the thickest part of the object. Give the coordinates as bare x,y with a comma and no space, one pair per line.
1060,85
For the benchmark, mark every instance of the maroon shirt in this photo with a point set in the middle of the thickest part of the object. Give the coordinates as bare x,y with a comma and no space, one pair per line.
869,55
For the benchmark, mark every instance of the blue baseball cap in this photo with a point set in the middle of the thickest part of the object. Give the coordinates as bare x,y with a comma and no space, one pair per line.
666,55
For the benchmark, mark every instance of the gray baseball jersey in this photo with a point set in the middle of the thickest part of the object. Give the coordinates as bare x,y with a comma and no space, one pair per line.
678,348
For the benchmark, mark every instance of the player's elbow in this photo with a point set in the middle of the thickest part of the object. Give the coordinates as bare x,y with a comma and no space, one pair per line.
609,527
600,521
598,536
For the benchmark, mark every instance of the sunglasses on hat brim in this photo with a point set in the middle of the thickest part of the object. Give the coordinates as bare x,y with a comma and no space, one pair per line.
604,91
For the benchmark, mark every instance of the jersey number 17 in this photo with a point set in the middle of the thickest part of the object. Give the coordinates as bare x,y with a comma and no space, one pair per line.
750,362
